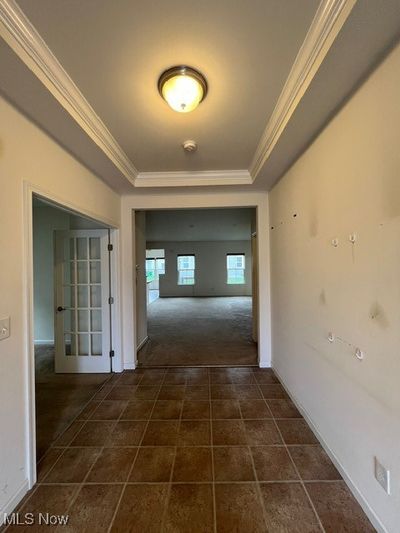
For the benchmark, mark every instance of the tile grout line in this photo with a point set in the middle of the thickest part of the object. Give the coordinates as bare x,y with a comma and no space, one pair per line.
239,392
193,366
212,456
135,458
303,484
297,471
75,497
199,445
52,468
69,447
85,420
257,483
75,419
184,419
228,482
168,495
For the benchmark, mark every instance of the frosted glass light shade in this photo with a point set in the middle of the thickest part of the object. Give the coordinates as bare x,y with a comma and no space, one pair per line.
183,88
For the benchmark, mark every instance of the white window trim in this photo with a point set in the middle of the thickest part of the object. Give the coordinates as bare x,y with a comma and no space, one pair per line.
186,270
228,269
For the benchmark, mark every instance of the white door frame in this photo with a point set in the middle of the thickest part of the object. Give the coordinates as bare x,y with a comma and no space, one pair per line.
29,191
156,201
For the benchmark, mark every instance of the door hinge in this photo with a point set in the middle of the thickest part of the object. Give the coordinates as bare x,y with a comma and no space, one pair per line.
112,353
110,247
111,300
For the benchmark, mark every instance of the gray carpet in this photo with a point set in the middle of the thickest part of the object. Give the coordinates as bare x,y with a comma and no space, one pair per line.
199,331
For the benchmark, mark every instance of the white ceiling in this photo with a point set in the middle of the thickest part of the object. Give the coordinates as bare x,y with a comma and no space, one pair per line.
199,225
115,51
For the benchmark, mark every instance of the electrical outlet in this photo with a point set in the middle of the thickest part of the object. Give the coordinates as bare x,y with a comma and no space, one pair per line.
382,475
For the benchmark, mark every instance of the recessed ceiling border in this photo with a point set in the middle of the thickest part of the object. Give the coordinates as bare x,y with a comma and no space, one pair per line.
17,30
184,178
23,38
327,23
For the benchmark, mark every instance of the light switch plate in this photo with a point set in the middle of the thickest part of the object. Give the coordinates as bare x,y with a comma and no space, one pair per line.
4,328
382,475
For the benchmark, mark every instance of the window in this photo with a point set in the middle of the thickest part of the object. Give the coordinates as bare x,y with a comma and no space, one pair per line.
160,265
235,265
150,270
186,266
154,265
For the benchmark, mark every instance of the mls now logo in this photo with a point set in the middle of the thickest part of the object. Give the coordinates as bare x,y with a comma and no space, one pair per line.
28,519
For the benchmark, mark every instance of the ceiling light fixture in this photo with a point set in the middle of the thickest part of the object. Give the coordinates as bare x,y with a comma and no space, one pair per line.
183,88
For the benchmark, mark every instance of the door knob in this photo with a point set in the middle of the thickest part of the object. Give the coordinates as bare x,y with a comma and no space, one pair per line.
59,308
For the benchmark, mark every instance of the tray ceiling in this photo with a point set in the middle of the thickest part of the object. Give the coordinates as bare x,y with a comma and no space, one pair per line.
101,60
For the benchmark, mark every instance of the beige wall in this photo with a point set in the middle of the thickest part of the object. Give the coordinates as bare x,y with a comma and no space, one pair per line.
26,153
46,220
347,182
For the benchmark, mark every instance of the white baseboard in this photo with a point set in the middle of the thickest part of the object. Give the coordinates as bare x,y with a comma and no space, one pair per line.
40,341
346,477
141,344
14,501
129,366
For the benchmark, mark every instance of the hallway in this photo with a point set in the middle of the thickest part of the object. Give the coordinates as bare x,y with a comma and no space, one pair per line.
190,450
199,331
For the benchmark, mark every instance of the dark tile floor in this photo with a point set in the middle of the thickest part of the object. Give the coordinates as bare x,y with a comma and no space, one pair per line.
59,397
192,450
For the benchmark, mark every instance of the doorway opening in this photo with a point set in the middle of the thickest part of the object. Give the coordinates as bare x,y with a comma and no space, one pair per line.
196,287
72,316
155,267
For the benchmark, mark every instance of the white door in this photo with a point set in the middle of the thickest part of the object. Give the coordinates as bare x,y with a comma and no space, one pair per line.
82,316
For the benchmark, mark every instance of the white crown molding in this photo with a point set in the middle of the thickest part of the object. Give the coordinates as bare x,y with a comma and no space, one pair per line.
20,34
22,37
328,21
199,178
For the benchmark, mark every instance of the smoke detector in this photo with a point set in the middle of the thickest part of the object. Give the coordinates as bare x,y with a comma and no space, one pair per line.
189,146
